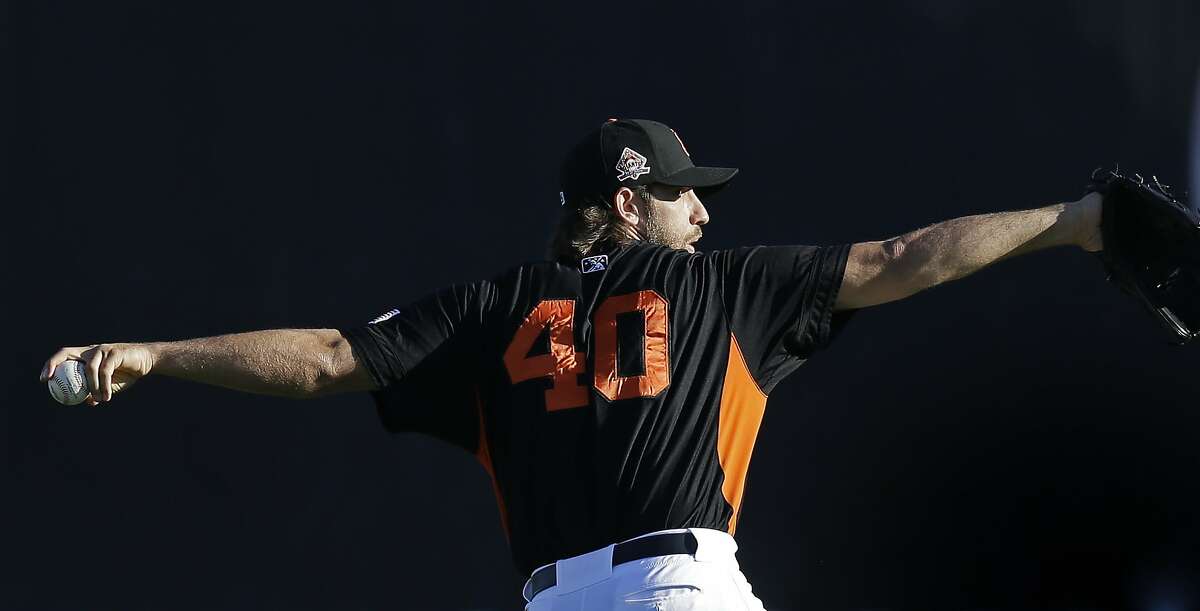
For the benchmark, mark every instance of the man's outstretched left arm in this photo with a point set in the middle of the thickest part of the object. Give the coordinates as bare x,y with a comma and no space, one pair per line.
879,272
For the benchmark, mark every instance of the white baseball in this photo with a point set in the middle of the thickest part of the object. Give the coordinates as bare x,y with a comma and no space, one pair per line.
69,384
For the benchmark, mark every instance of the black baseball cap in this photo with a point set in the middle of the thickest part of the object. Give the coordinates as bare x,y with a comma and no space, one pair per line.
626,152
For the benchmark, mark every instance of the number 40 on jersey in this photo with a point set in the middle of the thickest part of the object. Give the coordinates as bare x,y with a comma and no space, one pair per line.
564,364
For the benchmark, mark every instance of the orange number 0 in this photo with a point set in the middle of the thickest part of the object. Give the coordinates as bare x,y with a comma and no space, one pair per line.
564,364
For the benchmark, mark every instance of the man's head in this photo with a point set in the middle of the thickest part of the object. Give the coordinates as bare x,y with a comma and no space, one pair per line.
661,214
632,180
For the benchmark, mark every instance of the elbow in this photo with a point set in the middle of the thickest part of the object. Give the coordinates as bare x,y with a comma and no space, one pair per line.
331,364
902,274
876,272
915,270
892,250
906,275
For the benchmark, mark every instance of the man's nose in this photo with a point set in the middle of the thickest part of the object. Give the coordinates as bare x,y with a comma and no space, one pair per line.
699,213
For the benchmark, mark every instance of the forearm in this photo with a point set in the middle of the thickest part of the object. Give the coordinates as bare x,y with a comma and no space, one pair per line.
293,363
959,247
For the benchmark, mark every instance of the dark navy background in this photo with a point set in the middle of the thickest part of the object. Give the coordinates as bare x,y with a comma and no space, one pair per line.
1019,439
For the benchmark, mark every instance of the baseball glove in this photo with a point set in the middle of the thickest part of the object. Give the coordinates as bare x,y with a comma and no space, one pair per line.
1151,248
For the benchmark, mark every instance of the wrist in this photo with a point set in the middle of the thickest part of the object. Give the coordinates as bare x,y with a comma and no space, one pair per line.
155,354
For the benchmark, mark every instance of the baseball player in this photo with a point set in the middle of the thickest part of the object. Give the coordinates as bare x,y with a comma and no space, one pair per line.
614,392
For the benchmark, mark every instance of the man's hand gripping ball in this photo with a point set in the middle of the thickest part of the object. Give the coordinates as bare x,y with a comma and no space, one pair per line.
108,368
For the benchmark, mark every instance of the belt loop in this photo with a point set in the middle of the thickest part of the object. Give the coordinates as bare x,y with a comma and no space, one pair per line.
713,545
583,570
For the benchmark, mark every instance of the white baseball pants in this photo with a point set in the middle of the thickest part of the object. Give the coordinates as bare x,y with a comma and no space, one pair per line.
708,579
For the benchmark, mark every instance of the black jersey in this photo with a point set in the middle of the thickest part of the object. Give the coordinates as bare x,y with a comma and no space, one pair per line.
611,399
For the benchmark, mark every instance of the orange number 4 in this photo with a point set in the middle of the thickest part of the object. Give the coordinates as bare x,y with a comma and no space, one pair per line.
563,364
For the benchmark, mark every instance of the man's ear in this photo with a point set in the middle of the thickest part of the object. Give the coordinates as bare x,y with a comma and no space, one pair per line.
625,202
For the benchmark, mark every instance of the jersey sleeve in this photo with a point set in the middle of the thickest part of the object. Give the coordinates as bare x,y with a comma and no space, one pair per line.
395,343
779,304
422,363
435,399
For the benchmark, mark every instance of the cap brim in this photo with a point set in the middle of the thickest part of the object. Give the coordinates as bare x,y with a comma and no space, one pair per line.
699,177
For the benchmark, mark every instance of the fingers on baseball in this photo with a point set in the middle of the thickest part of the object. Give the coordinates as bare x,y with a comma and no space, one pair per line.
94,358
58,358
106,372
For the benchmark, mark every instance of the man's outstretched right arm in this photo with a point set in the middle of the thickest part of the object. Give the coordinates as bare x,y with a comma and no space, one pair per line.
295,363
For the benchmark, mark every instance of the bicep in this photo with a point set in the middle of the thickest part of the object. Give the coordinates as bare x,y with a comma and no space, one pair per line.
872,276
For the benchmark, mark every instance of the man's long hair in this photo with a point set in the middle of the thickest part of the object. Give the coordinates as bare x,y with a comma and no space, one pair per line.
590,226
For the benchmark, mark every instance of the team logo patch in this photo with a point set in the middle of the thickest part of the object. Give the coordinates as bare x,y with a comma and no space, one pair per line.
597,263
383,317
631,165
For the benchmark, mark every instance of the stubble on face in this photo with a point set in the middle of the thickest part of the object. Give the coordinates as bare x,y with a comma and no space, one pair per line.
665,229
